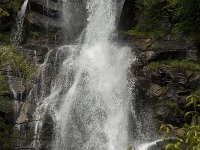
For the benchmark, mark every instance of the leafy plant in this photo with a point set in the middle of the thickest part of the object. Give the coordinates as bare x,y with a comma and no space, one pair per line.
169,17
191,137
11,60
131,148
20,67
166,128
8,6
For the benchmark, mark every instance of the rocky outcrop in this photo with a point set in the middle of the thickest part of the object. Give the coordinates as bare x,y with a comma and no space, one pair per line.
162,91
23,117
50,10
50,5
53,16
35,53
43,21
165,89
165,49
128,11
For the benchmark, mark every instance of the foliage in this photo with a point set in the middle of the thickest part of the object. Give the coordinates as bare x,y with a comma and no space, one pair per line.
166,128
191,138
9,57
5,135
4,38
9,6
181,64
36,35
131,148
3,13
9,135
136,33
169,17
11,61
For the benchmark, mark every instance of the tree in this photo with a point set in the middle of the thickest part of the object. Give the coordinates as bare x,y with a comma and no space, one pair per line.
159,18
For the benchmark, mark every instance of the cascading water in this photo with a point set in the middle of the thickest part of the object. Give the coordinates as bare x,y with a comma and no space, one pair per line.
90,99
20,22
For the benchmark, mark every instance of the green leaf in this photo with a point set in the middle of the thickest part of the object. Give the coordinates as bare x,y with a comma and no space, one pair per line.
189,113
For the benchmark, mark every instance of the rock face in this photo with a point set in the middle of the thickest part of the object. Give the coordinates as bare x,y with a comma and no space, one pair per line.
56,21
163,91
164,49
23,117
41,21
52,5
128,11
34,53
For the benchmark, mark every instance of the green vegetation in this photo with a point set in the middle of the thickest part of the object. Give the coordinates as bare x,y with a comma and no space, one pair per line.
36,35
4,38
9,56
131,148
159,19
136,33
191,132
8,136
11,60
9,6
180,64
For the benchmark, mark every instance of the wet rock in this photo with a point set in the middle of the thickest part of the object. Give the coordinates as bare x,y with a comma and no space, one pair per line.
128,11
39,20
154,91
149,55
155,147
50,9
17,86
161,144
47,132
180,132
194,83
163,111
162,76
23,117
35,54
51,4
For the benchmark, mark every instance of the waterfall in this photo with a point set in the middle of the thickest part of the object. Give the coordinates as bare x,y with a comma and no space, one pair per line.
20,22
90,97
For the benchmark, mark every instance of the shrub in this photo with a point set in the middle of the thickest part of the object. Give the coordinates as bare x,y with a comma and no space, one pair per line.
181,64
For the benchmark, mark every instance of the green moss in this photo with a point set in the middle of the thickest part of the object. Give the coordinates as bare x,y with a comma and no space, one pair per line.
36,35
5,135
4,38
197,92
6,105
19,65
136,33
177,18
180,64
171,103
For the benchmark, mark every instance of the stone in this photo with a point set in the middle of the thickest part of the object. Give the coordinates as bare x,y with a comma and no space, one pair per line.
163,111
17,86
154,147
161,144
128,11
23,117
35,54
194,83
154,91
51,4
180,132
39,20
50,9
149,55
